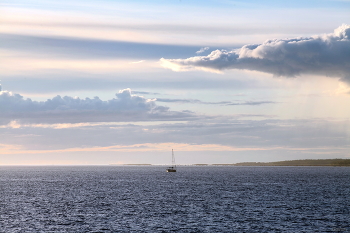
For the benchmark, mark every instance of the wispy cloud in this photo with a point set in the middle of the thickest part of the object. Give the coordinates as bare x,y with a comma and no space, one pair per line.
253,103
120,21
181,147
226,134
136,62
16,124
145,93
75,47
144,147
227,103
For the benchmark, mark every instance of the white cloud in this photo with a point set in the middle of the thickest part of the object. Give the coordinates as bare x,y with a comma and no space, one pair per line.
126,107
327,55
202,50
136,62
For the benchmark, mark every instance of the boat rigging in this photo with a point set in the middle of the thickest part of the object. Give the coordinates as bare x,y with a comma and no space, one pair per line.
173,165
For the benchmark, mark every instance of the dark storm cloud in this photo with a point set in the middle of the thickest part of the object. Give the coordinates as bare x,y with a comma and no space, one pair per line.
327,55
126,107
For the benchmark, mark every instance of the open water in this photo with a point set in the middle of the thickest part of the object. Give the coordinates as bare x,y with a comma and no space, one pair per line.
195,199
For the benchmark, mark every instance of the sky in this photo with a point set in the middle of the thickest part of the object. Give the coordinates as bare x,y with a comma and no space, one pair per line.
124,82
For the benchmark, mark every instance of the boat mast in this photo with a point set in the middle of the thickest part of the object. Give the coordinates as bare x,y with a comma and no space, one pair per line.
173,158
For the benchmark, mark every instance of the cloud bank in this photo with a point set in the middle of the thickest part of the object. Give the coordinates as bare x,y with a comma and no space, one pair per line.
327,55
125,107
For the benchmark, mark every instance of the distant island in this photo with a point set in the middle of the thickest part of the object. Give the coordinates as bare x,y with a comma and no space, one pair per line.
138,164
131,164
303,162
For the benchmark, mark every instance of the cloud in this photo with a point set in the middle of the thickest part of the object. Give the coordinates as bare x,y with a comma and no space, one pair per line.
327,55
253,103
80,48
126,107
145,93
228,103
202,50
153,147
185,101
225,134
136,62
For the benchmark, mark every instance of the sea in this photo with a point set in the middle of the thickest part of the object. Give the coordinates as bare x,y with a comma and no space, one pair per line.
193,199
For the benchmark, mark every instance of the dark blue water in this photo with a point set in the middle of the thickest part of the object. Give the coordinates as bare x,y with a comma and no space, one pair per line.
195,199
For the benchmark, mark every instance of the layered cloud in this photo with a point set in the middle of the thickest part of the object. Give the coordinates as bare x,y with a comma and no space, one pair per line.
83,48
299,138
228,103
327,55
125,107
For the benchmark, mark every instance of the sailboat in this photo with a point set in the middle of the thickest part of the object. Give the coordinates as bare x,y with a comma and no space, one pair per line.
173,165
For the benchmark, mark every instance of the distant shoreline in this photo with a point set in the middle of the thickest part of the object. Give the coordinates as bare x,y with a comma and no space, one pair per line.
132,164
302,162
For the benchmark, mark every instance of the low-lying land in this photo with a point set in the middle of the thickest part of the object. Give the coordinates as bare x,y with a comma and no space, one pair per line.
303,162
132,164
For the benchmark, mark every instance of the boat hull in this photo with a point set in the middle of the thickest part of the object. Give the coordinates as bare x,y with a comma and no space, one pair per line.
170,170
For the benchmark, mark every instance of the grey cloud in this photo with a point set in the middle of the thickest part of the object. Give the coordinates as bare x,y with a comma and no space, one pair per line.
72,47
126,107
145,93
327,55
301,133
255,133
195,101
253,103
192,101
68,80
